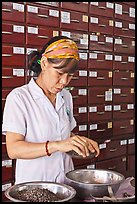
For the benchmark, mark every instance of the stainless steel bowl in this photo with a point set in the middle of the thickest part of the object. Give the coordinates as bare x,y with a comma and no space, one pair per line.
63,191
88,182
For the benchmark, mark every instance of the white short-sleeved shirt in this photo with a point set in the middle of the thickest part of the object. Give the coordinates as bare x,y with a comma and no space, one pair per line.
29,112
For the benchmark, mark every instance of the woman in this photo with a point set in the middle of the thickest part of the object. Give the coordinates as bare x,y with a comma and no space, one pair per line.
38,117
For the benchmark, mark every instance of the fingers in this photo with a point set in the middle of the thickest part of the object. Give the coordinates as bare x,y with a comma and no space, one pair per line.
93,147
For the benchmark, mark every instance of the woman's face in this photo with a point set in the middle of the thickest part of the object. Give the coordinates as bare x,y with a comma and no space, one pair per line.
54,80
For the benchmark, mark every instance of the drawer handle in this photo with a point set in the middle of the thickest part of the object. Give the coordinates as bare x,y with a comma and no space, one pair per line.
102,25
123,111
76,115
101,130
125,46
123,127
6,32
7,10
43,16
102,7
113,150
125,29
75,78
113,167
123,95
6,55
100,113
123,62
126,12
42,36
124,78
101,43
101,78
75,96
7,77
100,95
74,21
99,60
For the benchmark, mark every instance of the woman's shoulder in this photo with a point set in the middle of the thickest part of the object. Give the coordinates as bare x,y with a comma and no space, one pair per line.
17,91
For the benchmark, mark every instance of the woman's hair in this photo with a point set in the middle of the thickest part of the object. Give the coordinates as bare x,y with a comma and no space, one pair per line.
35,56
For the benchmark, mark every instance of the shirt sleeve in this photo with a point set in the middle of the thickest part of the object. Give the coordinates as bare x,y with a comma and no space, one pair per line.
14,114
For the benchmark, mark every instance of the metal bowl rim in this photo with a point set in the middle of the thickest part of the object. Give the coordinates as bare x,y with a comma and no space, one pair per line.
7,192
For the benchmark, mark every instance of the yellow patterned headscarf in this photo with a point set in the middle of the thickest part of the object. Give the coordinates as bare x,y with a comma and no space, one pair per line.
63,48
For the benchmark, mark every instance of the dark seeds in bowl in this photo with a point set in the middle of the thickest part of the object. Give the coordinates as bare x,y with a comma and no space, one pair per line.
36,195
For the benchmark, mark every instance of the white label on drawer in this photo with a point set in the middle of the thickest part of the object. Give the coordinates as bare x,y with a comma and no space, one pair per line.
83,56
82,127
82,92
91,166
131,59
55,33
93,37
132,75
93,109
82,110
133,43
108,95
83,73
123,142
117,91
131,141
109,74
67,34
109,5
118,9
18,50
94,3
29,50
118,41
92,74
32,9
118,58
108,57
65,17
93,55
84,41
102,146
108,108
18,72
85,18
6,186
7,163
93,127
18,7
131,26
117,107
109,124
93,20
18,29
118,24
109,39
130,106
131,122
54,13
33,30
132,12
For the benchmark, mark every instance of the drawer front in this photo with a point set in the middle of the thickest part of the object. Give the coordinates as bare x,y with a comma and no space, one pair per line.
100,78
74,20
82,63
124,28
123,78
11,10
79,79
131,163
54,4
100,113
101,42
42,16
79,96
123,95
122,111
131,146
6,170
81,115
81,129
123,127
99,95
77,6
124,62
124,45
100,60
101,24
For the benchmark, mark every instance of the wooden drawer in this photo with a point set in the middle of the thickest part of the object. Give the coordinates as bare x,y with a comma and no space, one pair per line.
82,63
38,36
6,170
102,42
81,115
124,62
99,95
124,45
76,6
100,78
102,8
100,130
11,10
124,28
42,15
101,24
121,127
112,148
54,4
123,95
100,113
79,79
13,56
100,60
123,78
123,110
5,186
131,146
79,96
81,129
80,38
131,163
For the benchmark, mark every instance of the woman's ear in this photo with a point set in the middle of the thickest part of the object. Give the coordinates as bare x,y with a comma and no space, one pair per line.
44,63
